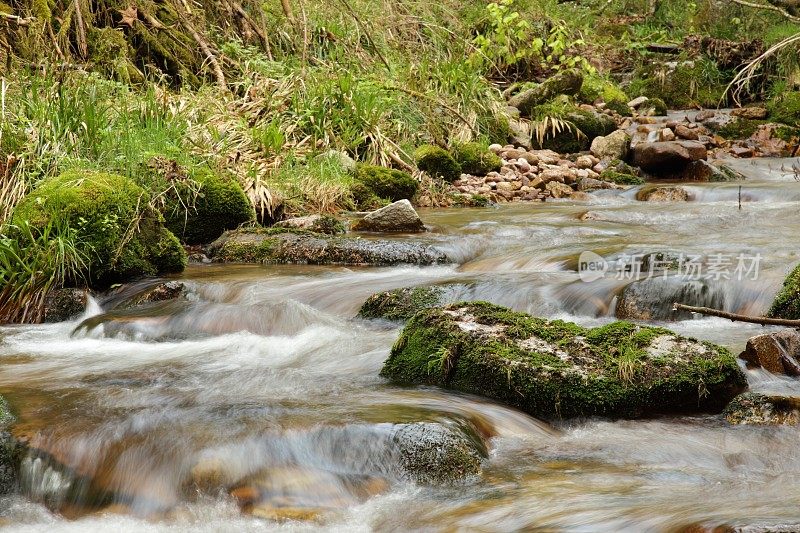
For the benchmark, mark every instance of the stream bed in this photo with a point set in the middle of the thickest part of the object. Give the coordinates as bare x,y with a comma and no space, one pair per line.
265,375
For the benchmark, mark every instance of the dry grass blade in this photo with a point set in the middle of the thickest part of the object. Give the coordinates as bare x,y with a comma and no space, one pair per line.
743,78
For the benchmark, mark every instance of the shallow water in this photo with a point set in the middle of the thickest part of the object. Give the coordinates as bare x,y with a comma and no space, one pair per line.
263,378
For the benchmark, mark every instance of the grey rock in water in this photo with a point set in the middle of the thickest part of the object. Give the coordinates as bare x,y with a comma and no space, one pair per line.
272,246
663,194
757,409
667,157
397,217
316,223
9,451
613,146
160,292
777,352
434,454
64,304
652,298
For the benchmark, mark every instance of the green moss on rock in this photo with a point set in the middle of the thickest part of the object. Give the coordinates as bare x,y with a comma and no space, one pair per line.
476,159
284,245
787,301
437,162
556,369
123,235
740,128
683,86
380,185
788,134
596,88
582,127
621,107
786,109
762,410
658,106
202,208
567,82
621,178
401,304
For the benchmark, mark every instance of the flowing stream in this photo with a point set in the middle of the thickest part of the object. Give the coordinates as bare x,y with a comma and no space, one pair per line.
151,420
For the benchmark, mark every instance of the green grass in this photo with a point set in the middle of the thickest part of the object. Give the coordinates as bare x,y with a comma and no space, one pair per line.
32,262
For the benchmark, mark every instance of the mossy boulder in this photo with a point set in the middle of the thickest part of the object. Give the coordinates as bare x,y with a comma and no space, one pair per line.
437,162
596,88
377,186
279,245
621,178
206,205
757,409
123,236
658,105
620,107
740,128
567,82
476,159
786,109
556,369
582,127
683,85
401,304
787,301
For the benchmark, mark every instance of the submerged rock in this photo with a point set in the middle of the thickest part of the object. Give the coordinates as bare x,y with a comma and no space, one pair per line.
652,298
434,454
63,304
398,217
777,352
763,410
663,194
556,369
300,247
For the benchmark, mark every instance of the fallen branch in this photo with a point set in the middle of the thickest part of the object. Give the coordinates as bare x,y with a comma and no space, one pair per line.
768,7
19,21
764,321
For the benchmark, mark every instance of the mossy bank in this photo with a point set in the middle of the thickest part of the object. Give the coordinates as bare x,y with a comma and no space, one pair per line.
122,234
556,369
